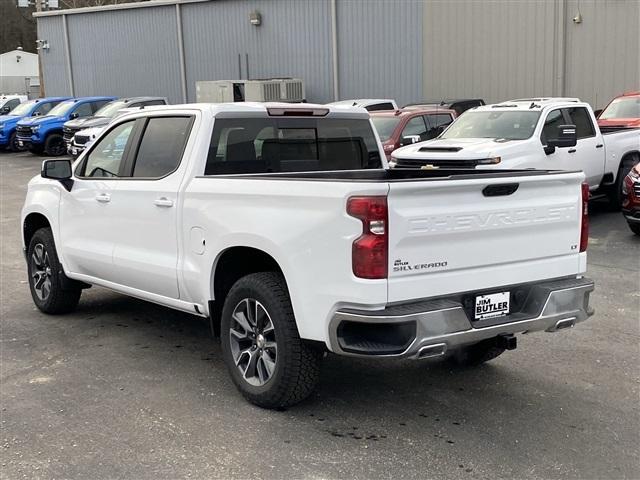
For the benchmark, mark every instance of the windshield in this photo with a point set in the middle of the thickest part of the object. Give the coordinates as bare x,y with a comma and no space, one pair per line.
62,108
512,125
385,126
622,108
110,109
23,108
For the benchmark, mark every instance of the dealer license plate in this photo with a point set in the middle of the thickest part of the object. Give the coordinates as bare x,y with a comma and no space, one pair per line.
494,305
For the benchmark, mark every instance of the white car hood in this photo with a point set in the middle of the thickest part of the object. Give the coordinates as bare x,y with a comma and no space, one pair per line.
462,148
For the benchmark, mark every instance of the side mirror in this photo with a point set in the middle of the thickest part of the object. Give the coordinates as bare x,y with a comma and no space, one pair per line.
74,115
58,170
5,110
37,114
566,136
597,112
409,140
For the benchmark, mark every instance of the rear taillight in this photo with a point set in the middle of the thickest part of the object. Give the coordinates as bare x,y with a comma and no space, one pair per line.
584,228
369,257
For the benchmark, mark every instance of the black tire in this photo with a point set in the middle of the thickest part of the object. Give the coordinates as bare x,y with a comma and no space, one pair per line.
13,143
43,266
297,364
55,145
477,353
616,197
635,228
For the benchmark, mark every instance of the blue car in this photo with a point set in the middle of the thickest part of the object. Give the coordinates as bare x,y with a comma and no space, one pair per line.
43,134
31,108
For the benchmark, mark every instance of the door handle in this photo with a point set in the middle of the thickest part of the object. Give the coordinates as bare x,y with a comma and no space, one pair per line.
600,145
163,202
103,198
572,150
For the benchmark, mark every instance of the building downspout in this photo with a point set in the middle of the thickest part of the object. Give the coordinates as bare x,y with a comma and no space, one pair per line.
334,50
183,68
67,52
561,65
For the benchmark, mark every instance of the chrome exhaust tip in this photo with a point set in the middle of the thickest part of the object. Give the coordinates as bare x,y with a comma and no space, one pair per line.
562,324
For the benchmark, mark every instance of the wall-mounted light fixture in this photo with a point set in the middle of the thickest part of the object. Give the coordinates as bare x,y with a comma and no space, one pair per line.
42,45
255,18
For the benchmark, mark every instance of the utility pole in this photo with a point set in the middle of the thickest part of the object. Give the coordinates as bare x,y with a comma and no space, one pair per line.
39,9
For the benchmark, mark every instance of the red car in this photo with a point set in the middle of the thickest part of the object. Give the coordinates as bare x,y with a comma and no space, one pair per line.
397,128
631,201
622,111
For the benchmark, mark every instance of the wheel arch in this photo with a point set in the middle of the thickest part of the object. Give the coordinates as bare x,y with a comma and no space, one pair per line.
627,158
31,224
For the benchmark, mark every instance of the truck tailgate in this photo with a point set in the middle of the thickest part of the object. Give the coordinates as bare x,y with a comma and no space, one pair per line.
464,235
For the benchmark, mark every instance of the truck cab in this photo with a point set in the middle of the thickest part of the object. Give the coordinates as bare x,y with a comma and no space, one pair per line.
30,109
44,134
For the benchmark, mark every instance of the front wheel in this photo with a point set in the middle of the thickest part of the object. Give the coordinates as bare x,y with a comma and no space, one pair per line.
49,291
268,361
55,145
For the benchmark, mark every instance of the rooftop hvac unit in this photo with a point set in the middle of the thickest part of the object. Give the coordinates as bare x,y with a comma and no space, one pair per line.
267,90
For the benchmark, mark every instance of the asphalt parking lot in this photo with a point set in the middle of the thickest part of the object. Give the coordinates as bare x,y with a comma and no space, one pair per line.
126,389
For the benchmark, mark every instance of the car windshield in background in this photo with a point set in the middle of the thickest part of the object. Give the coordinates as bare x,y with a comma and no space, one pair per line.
511,125
111,108
23,108
266,145
385,126
622,108
61,109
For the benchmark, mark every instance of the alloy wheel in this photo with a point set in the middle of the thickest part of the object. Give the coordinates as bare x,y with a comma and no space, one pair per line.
253,342
41,272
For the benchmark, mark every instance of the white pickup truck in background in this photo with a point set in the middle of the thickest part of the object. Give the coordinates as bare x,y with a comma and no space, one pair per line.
282,224
527,133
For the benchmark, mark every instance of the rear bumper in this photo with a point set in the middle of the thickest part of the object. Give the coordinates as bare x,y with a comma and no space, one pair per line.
433,327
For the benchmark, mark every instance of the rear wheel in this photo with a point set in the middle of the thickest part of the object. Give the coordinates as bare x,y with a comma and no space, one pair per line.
477,353
55,145
268,361
635,228
51,291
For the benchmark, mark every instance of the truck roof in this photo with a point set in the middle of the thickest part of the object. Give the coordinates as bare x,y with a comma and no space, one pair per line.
267,108
534,104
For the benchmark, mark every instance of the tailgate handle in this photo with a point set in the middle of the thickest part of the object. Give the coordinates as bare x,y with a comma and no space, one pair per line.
500,190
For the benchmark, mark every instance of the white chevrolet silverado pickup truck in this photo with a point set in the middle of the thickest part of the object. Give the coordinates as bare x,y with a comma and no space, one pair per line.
284,226
532,133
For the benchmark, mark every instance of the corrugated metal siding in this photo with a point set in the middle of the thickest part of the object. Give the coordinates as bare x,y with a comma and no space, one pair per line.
54,60
603,52
126,53
380,49
294,40
495,50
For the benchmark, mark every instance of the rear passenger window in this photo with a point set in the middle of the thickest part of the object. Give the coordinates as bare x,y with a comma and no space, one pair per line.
415,126
263,145
437,123
581,119
153,102
162,146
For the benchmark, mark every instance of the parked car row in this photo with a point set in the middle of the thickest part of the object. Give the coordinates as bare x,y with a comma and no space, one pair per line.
58,125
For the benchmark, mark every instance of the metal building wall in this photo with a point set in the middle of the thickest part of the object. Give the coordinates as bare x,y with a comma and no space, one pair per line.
603,57
293,40
130,52
380,49
505,49
54,60
494,50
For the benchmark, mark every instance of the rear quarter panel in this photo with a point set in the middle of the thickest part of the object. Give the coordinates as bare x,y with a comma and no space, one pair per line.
303,225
